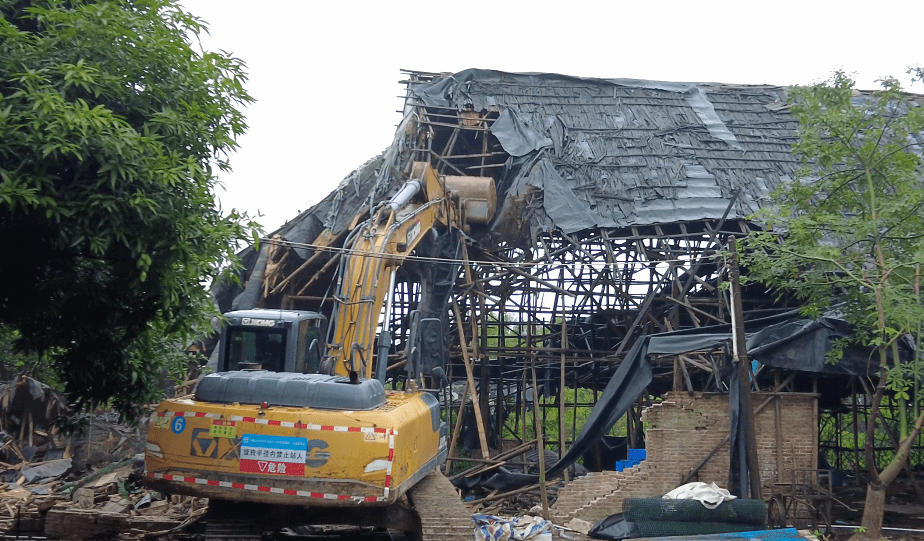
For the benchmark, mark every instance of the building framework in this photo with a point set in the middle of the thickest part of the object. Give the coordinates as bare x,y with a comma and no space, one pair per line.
616,203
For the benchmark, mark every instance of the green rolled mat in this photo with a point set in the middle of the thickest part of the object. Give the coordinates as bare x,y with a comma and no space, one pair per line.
667,528
738,511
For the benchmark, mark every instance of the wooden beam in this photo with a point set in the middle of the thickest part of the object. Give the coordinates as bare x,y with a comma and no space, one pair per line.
471,381
540,446
456,429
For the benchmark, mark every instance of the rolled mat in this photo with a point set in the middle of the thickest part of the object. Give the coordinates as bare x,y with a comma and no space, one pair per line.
739,511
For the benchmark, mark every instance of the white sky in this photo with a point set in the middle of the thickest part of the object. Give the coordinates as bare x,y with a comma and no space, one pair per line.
325,76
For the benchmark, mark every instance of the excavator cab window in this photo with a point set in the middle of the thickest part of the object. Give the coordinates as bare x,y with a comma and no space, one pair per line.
308,358
264,347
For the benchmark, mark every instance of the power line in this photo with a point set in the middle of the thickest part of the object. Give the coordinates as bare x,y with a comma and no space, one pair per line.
502,264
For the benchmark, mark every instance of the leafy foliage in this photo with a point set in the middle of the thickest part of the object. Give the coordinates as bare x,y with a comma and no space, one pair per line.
110,126
14,363
575,417
848,229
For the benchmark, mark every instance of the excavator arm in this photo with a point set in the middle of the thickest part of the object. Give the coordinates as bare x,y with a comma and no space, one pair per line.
282,437
381,245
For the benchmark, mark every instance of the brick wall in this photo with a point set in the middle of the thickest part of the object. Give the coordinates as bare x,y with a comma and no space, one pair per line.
679,432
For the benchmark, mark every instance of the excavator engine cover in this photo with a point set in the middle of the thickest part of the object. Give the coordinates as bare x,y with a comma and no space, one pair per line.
294,439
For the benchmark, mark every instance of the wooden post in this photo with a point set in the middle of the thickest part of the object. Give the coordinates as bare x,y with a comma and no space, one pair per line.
456,429
471,382
677,385
540,446
523,404
499,399
778,421
856,436
561,390
744,382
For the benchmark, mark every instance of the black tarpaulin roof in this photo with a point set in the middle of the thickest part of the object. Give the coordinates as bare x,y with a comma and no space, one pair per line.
566,153
622,152
590,153
576,154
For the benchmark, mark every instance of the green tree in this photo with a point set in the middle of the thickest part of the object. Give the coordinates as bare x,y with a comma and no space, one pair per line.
847,231
111,126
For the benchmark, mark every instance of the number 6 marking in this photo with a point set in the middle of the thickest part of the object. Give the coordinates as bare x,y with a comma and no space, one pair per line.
179,425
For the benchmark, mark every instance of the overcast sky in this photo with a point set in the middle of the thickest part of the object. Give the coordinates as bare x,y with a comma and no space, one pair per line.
326,76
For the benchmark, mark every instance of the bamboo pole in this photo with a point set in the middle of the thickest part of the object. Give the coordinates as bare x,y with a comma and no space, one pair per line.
744,385
333,261
485,453
456,429
539,442
541,486
497,461
778,422
561,389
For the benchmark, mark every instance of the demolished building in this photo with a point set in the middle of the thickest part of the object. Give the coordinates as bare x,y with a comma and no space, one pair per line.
616,200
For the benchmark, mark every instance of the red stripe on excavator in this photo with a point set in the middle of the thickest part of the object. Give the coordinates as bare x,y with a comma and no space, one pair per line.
262,488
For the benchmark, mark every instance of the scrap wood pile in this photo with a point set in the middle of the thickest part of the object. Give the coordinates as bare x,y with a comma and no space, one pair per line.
78,485
522,458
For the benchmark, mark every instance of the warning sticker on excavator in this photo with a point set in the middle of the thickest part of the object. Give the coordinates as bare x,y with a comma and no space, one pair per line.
223,429
278,455
412,232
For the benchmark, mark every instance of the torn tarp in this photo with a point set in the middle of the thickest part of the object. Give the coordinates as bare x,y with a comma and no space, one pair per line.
801,344
629,381
514,133
791,342
697,100
562,206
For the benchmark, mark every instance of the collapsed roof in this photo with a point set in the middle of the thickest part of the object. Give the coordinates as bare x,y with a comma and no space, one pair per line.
568,155
614,198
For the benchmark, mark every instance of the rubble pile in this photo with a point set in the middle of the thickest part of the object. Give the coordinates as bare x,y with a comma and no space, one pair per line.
78,483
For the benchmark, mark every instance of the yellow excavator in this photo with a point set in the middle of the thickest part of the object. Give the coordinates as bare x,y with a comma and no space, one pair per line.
283,435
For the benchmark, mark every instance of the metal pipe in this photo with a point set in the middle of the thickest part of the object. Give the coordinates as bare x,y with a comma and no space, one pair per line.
404,195
381,360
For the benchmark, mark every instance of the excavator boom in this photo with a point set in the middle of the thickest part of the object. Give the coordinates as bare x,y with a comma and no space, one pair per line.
374,253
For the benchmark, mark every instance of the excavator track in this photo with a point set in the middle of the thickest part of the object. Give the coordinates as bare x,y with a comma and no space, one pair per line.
443,516
435,513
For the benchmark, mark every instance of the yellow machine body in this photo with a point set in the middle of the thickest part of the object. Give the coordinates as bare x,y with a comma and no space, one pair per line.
293,455
302,446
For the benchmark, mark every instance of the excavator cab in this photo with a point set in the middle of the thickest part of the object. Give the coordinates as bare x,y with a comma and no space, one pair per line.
272,340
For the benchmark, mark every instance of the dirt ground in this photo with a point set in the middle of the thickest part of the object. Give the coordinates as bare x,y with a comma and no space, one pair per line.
904,511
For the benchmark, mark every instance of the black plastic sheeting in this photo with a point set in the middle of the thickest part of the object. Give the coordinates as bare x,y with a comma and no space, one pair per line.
629,381
739,476
615,528
515,134
786,341
465,86
783,341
